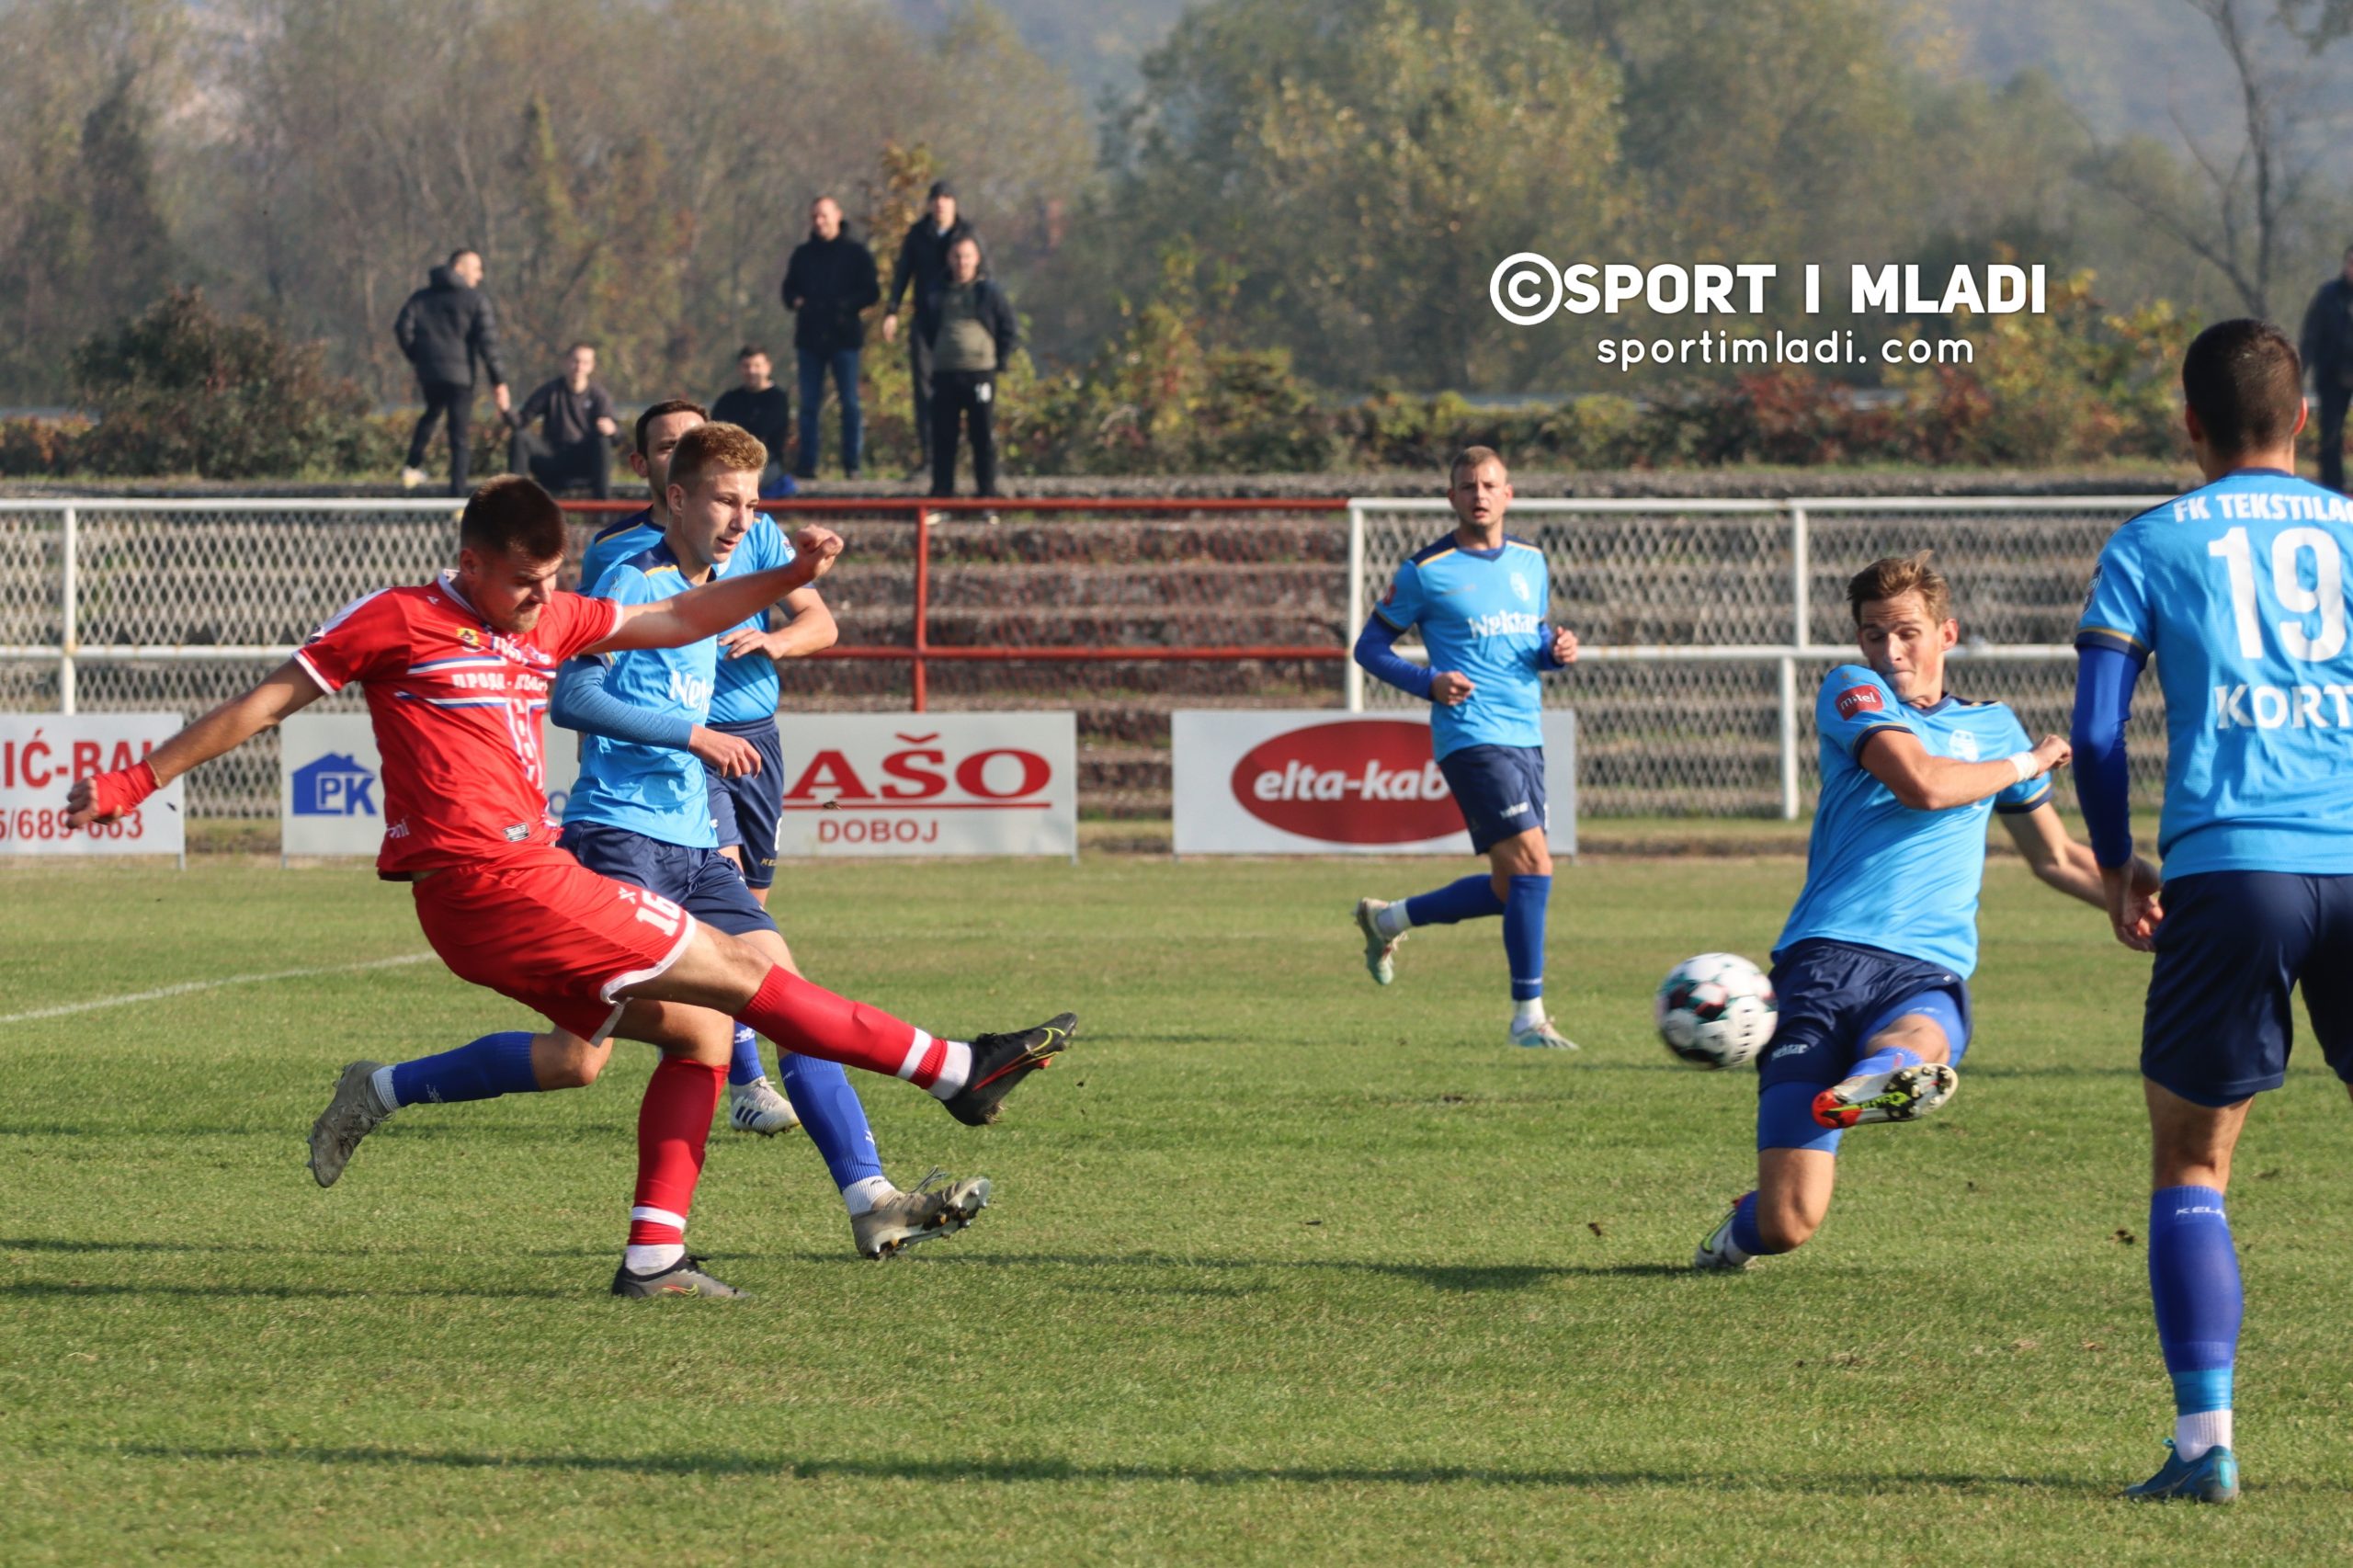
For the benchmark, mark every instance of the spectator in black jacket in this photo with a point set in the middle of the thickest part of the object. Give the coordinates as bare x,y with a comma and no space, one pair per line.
829,282
967,324
575,441
922,262
2327,348
442,330
759,405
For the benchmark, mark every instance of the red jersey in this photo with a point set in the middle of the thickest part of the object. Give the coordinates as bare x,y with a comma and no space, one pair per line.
457,705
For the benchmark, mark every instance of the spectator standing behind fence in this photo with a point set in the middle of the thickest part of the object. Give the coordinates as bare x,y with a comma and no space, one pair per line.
761,406
442,330
2327,349
923,265
968,324
829,285
574,444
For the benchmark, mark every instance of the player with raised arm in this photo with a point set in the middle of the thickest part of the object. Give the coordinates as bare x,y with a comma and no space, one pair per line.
1479,596
1871,971
641,811
456,672
730,758
738,742
2238,589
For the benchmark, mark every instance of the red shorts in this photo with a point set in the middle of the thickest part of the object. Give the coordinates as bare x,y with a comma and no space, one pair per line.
552,934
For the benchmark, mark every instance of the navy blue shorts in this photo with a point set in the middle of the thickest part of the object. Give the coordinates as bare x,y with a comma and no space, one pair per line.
2231,945
702,881
1500,790
748,811
1833,997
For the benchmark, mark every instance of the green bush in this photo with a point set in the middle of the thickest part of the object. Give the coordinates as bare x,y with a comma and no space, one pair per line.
182,389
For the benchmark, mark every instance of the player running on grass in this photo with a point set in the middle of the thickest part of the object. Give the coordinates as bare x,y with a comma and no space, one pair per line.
737,743
1479,595
457,673
2238,590
1872,968
641,811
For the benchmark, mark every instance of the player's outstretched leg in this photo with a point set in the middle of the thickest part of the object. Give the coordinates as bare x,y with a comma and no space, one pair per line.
369,1092
972,1079
754,1105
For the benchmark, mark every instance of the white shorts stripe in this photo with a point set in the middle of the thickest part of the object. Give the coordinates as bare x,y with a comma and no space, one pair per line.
914,1056
653,1216
610,990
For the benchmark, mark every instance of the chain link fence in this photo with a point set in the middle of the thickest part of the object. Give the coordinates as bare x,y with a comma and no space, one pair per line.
1706,625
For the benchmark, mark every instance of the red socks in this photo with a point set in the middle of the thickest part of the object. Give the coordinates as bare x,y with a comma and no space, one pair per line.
672,1125
810,1020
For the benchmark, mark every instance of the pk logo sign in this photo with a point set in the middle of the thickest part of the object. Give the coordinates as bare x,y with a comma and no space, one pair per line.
335,785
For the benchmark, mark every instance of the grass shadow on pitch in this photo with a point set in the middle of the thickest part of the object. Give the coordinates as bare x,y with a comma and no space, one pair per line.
1016,1471
1458,1279
77,1246
69,1289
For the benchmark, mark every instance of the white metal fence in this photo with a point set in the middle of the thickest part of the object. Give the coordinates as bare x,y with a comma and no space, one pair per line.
1706,624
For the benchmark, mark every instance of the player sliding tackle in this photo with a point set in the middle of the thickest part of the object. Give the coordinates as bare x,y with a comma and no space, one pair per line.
2238,589
1872,968
1479,596
456,672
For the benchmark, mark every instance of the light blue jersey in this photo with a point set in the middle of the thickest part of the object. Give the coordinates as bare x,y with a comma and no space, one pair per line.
1879,873
746,689
1481,613
2239,591
653,791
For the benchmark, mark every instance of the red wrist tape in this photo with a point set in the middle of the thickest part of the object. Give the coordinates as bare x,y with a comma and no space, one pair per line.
114,794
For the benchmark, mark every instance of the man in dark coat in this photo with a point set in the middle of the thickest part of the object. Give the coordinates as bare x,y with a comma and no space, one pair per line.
763,408
2327,348
829,282
443,329
574,444
969,326
922,262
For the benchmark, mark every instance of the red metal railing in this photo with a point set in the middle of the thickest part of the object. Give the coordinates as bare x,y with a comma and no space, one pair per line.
919,652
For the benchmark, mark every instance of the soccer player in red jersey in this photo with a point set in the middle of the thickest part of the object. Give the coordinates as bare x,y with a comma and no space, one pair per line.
456,674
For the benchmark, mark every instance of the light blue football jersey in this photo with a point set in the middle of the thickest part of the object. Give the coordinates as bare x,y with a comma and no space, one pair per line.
1877,872
1480,613
2238,589
654,790
746,687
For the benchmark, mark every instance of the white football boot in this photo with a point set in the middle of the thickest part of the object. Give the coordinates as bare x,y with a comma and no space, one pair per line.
1905,1094
1540,1036
1380,951
1714,1256
756,1107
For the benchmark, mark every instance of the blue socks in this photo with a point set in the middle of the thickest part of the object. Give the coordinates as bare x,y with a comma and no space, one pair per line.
832,1115
1524,935
1887,1061
1744,1234
744,1067
1469,899
2194,1279
493,1065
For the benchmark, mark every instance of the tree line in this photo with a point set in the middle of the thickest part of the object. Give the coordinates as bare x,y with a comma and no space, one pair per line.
1334,178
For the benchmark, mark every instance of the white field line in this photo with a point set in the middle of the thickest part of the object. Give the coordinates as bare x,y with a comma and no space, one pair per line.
132,998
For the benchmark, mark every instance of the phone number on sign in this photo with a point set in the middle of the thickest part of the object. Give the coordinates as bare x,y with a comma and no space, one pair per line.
30,825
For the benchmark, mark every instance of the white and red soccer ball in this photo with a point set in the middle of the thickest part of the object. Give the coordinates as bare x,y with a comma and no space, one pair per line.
1716,1010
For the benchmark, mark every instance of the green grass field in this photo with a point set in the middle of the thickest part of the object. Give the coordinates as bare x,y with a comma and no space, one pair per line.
1282,1269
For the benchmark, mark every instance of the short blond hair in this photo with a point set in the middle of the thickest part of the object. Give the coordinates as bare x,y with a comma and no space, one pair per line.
1472,456
715,447
1893,576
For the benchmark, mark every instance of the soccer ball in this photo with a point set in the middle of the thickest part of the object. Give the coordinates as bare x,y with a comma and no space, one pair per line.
1716,1010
